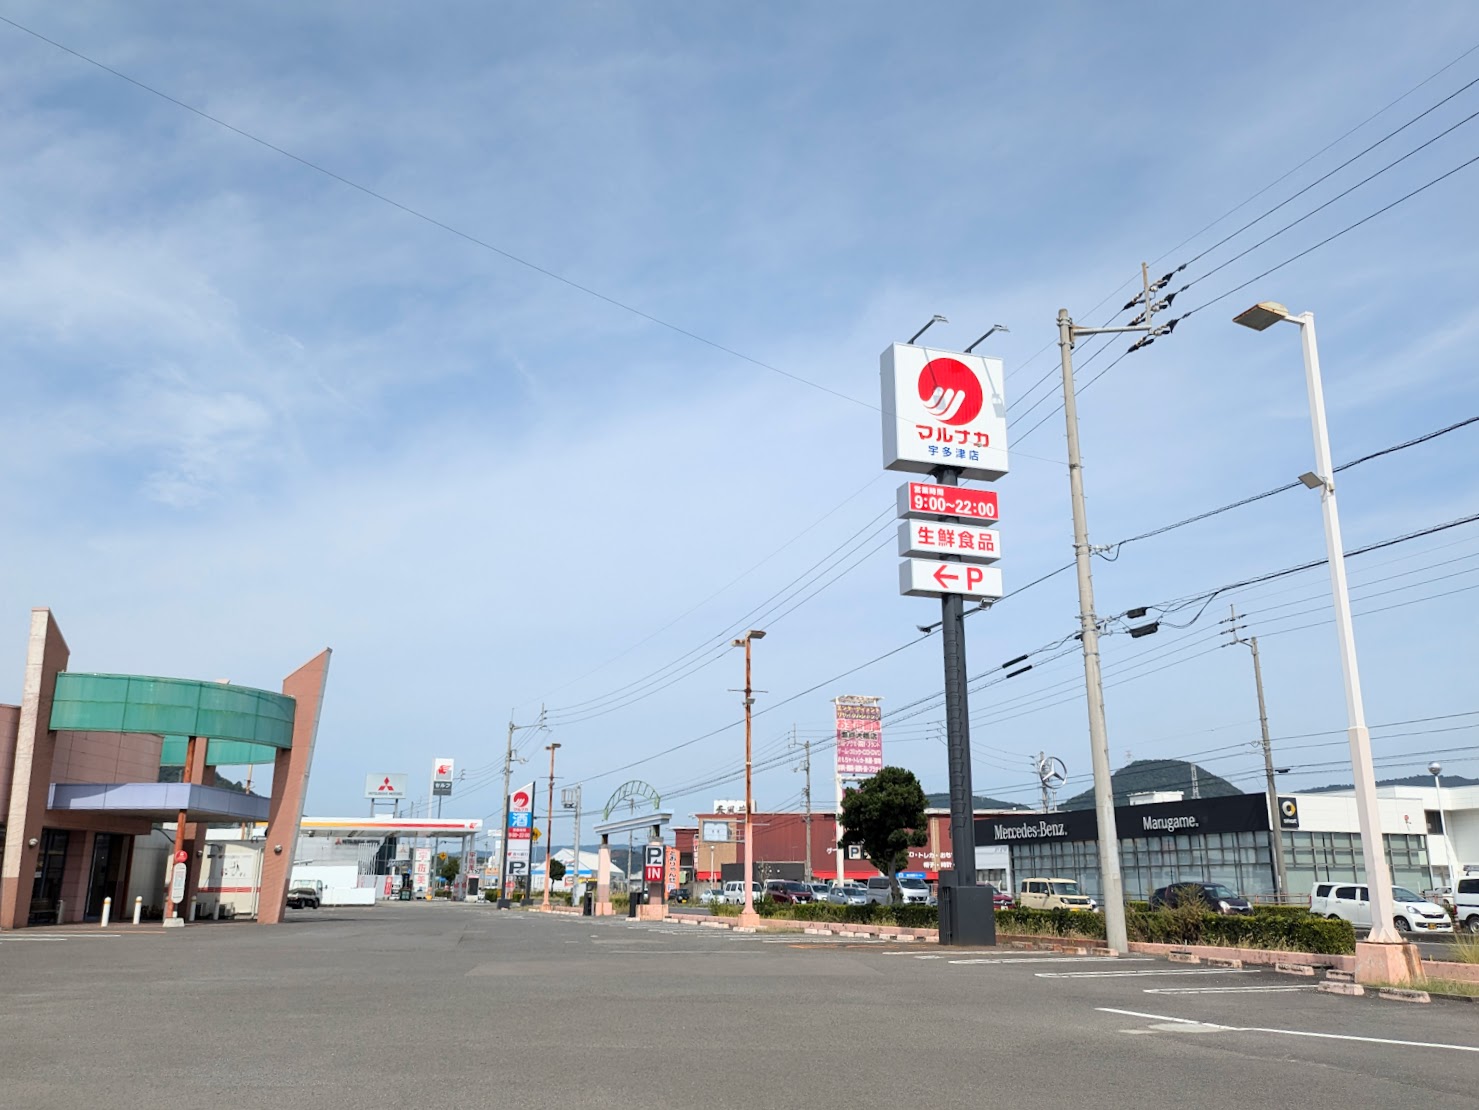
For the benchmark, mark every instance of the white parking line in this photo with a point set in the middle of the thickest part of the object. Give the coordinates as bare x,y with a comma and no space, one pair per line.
1223,990
1150,971
62,936
1059,960
1294,1032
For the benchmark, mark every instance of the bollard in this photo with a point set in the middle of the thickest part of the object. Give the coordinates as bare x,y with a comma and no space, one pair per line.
61,908
107,911
190,911
138,907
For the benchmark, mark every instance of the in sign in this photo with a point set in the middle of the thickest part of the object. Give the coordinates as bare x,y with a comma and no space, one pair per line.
931,578
958,502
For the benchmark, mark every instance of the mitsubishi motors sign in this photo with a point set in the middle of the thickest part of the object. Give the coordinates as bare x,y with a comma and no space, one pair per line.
388,787
943,409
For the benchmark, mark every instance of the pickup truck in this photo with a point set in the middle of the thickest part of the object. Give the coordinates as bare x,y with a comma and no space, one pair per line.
1053,894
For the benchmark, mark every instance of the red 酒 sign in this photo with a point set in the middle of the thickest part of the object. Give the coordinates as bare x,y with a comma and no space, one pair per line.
925,499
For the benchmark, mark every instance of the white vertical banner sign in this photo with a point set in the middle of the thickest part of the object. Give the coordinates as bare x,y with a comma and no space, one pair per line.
520,831
858,752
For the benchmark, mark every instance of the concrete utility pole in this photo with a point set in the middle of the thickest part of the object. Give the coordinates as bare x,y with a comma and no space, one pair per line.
1109,848
570,799
550,826
805,794
748,916
631,810
508,770
1276,832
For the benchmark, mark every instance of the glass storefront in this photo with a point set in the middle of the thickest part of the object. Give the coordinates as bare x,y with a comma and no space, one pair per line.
1312,857
46,891
1240,860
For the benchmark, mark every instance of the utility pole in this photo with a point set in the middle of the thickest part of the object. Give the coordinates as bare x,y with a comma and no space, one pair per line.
549,842
1275,822
631,810
570,799
748,916
1109,848
508,770
805,794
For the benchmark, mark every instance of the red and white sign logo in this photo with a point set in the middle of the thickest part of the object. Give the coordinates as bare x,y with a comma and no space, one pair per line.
950,390
387,787
444,770
521,800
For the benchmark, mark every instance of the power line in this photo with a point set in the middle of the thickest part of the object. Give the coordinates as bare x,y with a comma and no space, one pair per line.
416,213
1326,176
1328,146
1328,239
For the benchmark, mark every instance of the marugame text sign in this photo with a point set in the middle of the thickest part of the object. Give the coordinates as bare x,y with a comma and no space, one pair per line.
943,408
859,736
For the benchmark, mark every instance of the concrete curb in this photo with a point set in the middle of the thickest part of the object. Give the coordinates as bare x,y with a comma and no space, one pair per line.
1295,969
1335,986
1398,994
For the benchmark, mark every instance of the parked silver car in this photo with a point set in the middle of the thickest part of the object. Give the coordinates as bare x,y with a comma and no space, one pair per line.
848,896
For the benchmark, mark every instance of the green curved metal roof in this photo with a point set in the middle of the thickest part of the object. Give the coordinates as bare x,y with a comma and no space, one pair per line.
244,725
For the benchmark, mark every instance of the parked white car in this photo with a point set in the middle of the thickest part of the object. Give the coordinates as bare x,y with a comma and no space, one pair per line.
1351,902
734,892
915,892
1466,903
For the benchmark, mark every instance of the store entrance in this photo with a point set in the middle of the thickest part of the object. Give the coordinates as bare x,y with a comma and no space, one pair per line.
46,892
109,856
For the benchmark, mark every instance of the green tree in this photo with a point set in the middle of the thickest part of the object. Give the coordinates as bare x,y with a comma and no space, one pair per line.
885,814
449,866
556,870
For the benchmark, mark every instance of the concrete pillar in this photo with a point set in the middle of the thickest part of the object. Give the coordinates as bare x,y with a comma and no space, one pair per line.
603,878
35,746
290,785
193,842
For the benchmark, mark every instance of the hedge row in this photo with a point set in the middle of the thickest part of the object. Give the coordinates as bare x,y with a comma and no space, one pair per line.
1280,929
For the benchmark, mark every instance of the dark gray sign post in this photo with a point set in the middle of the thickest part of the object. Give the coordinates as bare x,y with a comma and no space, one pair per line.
944,414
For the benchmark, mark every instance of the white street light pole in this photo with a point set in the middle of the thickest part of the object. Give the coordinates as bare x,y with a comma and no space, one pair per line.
1436,769
1368,816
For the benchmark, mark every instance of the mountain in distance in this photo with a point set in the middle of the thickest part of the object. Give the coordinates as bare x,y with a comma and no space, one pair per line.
942,801
1145,775
1410,780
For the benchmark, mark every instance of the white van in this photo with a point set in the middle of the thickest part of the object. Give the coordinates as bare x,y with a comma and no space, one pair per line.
1466,903
734,892
1352,902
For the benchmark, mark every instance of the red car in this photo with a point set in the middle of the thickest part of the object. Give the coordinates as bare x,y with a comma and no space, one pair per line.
1002,900
784,890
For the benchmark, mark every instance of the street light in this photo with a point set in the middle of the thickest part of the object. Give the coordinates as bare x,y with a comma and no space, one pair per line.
1436,770
1378,877
748,916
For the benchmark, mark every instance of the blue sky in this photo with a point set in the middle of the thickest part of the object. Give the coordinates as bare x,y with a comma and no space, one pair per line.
251,411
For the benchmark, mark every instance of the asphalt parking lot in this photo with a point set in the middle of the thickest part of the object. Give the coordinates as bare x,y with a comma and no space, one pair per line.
435,1005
